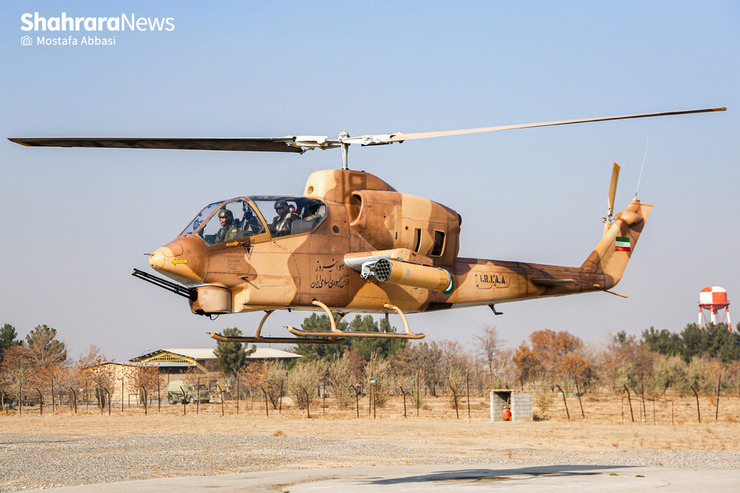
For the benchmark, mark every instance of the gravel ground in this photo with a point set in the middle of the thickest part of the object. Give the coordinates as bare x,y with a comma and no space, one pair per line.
46,460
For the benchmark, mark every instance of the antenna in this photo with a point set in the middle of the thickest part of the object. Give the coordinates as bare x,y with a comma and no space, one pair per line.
644,156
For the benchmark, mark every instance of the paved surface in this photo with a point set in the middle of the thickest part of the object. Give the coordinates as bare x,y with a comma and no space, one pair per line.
443,478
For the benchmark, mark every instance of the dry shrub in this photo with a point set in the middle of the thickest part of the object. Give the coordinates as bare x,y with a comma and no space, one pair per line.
378,367
304,381
340,377
542,399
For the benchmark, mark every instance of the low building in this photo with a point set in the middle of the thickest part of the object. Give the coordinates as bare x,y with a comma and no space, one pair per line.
519,405
197,365
201,362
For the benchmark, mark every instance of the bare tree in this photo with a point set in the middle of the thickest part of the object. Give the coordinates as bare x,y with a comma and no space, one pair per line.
145,378
16,374
489,348
456,380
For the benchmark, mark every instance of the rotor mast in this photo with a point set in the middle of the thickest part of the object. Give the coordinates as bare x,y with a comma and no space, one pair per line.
345,148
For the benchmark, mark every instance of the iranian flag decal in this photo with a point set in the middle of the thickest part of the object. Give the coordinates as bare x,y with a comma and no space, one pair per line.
623,244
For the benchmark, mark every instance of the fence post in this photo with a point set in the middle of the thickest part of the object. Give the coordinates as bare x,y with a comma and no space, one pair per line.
467,391
716,408
108,394
698,412
578,393
74,394
41,402
629,399
567,413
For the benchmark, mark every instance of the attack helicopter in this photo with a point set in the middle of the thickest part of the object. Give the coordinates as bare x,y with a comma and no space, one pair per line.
353,243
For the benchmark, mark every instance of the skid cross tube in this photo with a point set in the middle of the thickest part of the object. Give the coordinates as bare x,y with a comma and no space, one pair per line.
334,332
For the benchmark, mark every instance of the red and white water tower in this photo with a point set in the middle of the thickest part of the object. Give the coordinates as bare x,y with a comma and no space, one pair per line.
714,299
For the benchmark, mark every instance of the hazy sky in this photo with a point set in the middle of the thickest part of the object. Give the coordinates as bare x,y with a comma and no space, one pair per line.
78,220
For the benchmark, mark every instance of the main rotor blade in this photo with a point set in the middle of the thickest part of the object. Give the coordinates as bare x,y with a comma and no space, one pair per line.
268,144
400,136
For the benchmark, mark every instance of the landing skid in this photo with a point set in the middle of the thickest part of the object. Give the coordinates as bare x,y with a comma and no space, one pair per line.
335,336
279,340
258,338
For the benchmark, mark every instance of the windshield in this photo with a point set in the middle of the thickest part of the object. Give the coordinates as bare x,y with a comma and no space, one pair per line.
195,223
230,221
236,219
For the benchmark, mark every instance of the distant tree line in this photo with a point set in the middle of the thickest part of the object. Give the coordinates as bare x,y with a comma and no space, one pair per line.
714,341
37,371
702,360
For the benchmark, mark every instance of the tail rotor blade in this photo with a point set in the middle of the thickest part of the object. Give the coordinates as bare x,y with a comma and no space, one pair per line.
612,194
613,188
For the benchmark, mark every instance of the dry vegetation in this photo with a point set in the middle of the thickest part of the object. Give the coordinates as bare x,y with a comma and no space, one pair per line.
671,423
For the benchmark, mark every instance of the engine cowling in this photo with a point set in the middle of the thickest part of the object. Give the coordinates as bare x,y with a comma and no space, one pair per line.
389,220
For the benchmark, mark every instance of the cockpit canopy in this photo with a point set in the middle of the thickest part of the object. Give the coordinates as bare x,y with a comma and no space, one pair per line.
236,219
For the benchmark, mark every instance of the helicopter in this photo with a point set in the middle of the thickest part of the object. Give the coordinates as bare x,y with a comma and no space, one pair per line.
353,243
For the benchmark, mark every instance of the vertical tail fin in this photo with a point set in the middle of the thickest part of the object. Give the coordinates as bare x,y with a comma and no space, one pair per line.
613,252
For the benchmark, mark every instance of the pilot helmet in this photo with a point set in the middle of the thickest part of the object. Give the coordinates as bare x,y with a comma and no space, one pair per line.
281,204
227,214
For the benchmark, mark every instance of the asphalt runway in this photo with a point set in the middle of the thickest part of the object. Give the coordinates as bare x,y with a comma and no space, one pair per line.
443,478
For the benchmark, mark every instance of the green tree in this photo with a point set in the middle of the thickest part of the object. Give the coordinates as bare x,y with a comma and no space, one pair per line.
670,372
321,323
366,347
713,341
232,356
663,342
44,348
7,339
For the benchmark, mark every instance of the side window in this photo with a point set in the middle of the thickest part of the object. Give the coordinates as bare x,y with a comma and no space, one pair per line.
291,215
232,221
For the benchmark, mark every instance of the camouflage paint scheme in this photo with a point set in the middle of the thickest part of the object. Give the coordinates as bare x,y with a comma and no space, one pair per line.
366,218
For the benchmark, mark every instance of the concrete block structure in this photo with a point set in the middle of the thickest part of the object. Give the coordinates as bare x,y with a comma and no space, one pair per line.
520,404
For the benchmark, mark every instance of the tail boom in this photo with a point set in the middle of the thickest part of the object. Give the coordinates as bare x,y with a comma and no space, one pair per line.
484,282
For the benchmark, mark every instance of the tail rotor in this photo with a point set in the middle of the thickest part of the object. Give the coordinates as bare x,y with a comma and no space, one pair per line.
612,192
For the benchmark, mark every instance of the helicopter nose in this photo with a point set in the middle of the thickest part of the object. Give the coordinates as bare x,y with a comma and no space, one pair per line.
182,258
158,259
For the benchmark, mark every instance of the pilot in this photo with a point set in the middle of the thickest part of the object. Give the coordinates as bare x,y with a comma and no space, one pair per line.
250,225
228,231
285,216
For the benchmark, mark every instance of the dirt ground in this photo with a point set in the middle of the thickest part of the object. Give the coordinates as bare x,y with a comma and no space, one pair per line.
61,448
666,424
